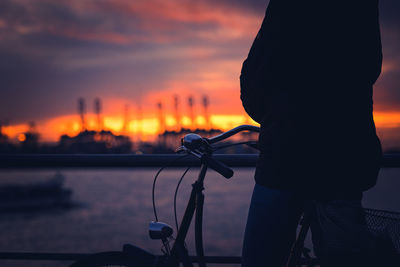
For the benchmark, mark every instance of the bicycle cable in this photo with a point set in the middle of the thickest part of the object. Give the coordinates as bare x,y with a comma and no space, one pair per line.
176,193
216,148
155,180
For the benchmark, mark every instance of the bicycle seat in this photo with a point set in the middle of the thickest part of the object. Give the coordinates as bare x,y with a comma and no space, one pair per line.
137,252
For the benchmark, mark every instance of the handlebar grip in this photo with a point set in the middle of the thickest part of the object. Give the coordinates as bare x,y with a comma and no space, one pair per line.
217,166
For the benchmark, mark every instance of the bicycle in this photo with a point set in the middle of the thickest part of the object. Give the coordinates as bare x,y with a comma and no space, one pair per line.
202,148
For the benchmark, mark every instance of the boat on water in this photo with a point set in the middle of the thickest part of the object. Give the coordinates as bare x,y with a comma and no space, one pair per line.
33,196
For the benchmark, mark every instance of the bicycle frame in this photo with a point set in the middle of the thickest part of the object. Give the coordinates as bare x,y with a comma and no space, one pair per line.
195,207
179,253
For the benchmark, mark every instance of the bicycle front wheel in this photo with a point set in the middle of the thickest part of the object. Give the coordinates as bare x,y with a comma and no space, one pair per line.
112,258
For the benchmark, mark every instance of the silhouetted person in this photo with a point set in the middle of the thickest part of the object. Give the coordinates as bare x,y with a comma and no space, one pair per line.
308,81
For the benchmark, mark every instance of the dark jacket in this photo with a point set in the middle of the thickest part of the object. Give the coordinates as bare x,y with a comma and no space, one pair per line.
308,81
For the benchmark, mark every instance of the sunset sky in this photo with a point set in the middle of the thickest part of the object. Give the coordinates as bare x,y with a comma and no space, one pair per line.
140,52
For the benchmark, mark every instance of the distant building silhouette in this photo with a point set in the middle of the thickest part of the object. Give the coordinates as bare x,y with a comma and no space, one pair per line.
98,110
95,142
191,112
177,113
125,125
206,103
5,145
29,141
82,111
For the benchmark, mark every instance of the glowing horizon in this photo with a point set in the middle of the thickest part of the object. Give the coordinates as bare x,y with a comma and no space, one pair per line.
148,128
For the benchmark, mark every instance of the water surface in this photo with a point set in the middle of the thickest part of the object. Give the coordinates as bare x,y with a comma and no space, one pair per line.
115,208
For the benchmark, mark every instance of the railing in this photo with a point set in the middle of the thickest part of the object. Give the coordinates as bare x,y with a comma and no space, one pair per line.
20,161
77,256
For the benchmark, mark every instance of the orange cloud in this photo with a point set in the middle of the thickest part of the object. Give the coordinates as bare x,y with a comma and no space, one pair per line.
13,131
154,13
108,37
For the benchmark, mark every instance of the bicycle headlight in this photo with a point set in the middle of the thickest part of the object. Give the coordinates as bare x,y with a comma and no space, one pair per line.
159,230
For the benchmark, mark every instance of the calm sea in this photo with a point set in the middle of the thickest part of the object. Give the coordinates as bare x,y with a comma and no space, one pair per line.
114,208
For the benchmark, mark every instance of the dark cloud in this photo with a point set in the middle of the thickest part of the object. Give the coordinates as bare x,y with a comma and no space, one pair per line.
387,89
52,52
389,12
32,89
387,92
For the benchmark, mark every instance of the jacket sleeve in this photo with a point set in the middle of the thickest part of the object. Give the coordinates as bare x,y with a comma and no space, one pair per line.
251,97
257,74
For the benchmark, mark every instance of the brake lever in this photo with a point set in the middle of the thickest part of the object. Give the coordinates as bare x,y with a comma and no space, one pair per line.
181,150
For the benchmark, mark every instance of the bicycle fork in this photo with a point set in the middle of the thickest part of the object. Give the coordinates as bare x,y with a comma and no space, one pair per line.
179,252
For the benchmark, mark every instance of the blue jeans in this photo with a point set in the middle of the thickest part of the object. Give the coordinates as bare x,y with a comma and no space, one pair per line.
339,231
271,227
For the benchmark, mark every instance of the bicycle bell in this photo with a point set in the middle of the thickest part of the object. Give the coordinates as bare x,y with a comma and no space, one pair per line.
192,141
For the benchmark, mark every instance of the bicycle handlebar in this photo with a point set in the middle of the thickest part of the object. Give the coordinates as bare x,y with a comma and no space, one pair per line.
217,166
193,142
233,131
